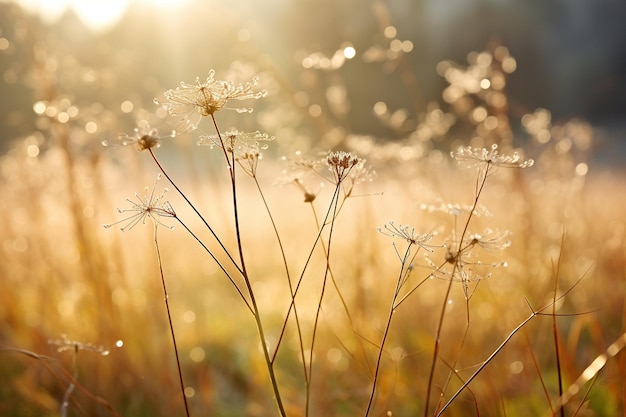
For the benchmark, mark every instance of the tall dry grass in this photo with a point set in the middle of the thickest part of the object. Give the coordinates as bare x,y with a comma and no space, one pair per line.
434,287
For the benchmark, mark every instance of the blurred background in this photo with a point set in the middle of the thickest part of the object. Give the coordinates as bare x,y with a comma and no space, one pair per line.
571,55
400,83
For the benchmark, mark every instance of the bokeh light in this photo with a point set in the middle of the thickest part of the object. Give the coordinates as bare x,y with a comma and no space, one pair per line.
484,127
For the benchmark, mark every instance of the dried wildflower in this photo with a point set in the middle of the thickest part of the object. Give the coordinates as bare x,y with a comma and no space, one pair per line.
460,270
490,239
301,164
479,156
462,262
234,141
298,179
246,147
340,164
191,102
407,233
360,173
347,170
300,172
149,206
309,196
66,344
144,137
455,209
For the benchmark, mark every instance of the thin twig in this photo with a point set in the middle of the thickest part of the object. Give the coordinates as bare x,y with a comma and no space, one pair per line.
392,308
193,207
481,179
244,272
169,318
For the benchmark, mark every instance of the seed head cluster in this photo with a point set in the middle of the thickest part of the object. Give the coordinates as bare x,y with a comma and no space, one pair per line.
144,137
245,147
406,232
479,156
65,343
340,163
191,102
150,206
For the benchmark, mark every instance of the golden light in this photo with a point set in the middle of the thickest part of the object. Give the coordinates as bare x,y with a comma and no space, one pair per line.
349,52
97,15
49,11
167,3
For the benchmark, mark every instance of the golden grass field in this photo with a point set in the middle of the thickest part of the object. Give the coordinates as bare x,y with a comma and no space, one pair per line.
521,270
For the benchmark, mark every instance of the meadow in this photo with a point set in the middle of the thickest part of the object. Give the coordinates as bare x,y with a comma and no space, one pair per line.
469,261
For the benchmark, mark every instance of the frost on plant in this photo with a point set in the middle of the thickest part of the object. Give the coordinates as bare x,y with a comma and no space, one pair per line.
346,170
455,209
408,233
191,102
149,206
245,147
65,343
144,137
490,239
479,156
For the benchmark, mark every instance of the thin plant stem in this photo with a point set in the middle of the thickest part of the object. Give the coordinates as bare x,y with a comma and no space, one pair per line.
342,299
534,313
455,373
480,183
306,265
459,350
585,397
453,365
193,207
334,203
169,318
288,276
70,389
537,368
46,361
555,331
255,307
485,363
219,264
400,281
592,370
419,284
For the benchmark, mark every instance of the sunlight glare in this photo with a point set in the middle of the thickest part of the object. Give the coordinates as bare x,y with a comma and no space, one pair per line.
50,11
99,15
165,3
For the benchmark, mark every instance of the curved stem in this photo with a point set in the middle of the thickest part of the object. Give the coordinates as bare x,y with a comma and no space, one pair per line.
193,207
334,203
219,264
306,264
246,278
392,309
169,318
485,363
291,289
480,183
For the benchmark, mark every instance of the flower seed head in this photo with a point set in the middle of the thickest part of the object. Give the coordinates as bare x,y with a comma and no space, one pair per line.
191,102
144,137
149,206
479,156
340,163
407,233
246,147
